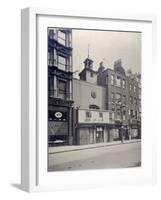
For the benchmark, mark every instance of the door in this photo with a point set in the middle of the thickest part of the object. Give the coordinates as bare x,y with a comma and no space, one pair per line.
99,134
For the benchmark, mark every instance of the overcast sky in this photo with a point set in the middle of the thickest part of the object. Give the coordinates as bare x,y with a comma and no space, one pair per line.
107,46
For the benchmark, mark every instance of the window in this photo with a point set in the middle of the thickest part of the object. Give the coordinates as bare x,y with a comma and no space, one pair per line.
111,116
118,98
101,115
123,84
124,114
112,80
131,114
88,114
130,86
99,129
124,99
131,100
51,33
135,114
113,97
135,101
52,58
61,38
62,89
62,62
118,81
134,88
118,115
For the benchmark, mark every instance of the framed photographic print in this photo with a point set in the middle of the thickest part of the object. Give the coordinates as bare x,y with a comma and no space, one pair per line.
86,99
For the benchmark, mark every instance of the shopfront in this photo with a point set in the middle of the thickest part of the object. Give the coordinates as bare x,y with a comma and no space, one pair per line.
93,126
59,123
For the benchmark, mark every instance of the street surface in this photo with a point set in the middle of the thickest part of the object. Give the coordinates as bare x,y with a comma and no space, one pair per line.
116,156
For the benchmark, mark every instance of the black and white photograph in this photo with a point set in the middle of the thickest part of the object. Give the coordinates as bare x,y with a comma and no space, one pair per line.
94,99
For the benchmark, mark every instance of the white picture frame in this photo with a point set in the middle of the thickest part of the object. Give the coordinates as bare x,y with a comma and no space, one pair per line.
33,175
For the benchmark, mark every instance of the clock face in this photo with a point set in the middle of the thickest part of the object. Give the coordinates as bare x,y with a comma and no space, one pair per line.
58,114
93,94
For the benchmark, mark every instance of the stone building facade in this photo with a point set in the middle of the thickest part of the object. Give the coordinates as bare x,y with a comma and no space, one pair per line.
60,86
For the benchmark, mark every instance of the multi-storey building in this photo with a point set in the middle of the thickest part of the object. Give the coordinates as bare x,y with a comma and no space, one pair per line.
60,86
134,104
93,122
116,93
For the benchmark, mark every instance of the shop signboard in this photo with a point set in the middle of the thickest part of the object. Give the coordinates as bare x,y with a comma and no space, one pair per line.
95,116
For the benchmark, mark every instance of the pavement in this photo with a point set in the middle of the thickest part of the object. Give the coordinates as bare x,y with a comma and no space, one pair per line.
61,149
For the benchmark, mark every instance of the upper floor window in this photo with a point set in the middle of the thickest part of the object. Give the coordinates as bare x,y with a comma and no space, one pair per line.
101,115
130,86
135,101
112,80
62,62
123,84
118,98
62,89
88,114
124,99
113,97
62,38
131,100
134,88
51,33
118,81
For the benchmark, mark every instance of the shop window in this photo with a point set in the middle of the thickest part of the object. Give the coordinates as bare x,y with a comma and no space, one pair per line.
99,134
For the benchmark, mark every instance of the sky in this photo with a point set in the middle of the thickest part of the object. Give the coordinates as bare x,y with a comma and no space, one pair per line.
106,46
